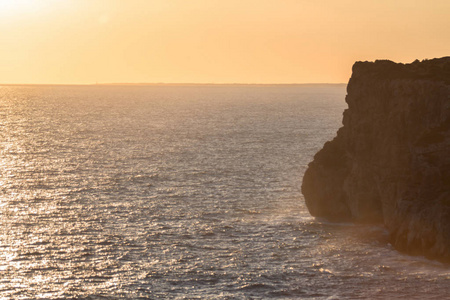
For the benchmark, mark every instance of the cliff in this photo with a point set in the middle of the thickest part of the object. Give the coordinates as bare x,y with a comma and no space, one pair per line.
390,162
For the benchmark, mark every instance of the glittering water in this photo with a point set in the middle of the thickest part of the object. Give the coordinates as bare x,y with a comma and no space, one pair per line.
181,192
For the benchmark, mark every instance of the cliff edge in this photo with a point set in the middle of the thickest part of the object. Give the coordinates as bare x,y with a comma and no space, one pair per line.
390,162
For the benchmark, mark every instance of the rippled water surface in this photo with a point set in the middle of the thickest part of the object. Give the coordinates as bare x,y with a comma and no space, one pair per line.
181,192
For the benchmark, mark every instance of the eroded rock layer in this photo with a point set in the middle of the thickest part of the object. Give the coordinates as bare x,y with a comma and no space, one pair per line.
390,162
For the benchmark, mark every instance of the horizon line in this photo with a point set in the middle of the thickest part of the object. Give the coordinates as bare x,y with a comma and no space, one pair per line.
161,84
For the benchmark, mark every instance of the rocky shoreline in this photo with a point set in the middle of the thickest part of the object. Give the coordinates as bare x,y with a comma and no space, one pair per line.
390,162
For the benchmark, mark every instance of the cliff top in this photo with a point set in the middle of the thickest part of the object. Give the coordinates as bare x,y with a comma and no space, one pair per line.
433,69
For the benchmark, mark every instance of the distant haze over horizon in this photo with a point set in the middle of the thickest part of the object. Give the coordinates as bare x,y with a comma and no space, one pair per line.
174,84
212,42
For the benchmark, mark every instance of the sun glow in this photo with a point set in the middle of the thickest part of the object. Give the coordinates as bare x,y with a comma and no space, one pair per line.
234,41
17,6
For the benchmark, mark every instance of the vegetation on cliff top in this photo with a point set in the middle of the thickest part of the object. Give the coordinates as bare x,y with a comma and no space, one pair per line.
437,69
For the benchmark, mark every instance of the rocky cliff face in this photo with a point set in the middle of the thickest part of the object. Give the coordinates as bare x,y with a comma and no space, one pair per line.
390,162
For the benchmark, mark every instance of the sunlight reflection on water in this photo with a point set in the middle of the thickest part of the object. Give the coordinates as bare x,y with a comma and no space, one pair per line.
172,192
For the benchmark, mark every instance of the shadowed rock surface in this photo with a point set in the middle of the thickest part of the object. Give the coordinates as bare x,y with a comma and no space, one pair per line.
390,162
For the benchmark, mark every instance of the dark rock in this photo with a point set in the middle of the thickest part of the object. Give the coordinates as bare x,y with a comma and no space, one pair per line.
390,162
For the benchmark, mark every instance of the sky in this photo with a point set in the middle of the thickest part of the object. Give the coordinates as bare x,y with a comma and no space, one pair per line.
212,41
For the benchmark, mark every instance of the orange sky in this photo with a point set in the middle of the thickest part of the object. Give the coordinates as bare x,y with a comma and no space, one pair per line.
212,41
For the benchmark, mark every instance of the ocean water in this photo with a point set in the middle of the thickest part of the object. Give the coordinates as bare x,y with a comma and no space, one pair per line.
182,192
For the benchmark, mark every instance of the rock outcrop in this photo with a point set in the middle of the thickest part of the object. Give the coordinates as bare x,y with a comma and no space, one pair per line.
390,162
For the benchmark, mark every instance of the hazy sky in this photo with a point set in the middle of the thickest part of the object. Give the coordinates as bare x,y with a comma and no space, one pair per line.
213,41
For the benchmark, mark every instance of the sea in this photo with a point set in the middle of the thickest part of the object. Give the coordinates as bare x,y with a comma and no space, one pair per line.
182,192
